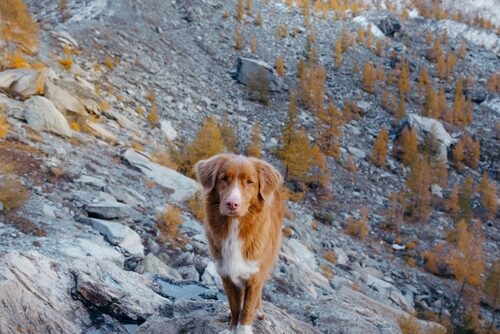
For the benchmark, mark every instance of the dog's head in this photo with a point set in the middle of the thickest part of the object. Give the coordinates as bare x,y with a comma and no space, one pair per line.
237,181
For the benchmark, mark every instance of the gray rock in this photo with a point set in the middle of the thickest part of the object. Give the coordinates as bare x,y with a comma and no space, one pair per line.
123,121
100,131
42,115
342,258
168,130
477,95
183,187
63,100
113,210
389,25
92,180
154,265
23,83
437,190
208,317
83,248
351,312
356,152
247,69
39,292
428,126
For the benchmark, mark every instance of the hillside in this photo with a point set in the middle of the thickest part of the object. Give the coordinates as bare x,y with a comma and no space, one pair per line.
384,117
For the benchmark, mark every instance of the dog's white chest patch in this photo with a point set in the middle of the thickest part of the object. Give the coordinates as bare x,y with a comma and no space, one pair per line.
232,263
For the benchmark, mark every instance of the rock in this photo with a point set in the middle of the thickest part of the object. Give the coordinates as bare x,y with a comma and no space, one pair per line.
356,152
398,247
52,295
154,265
23,83
112,210
63,100
168,130
210,317
247,69
97,182
119,235
351,312
389,25
182,187
364,106
425,126
211,276
100,131
83,248
437,190
123,121
476,95
342,258
42,115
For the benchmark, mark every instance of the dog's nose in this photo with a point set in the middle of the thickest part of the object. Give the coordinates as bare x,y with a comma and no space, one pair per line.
232,205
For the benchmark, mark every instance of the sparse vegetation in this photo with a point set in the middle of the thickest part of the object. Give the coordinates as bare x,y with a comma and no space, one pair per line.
168,223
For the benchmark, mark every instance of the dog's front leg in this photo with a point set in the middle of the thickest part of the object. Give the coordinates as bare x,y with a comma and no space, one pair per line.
253,293
234,297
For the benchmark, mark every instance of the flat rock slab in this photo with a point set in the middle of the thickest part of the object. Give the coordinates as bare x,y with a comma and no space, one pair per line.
63,100
205,317
113,210
182,186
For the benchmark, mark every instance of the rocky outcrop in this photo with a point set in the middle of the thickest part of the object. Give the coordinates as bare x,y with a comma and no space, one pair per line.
389,25
52,296
42,115
181,186
63,100
202,317
352,312
22,83
247,69
428,126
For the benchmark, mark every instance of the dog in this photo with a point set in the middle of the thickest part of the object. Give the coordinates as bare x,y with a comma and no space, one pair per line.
243,219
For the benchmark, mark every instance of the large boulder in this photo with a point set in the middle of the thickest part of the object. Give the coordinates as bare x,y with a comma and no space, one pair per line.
429,126
351,312
389,25
42,115
210,317
182,187
247,70
63,100
51,296
22,83
113,210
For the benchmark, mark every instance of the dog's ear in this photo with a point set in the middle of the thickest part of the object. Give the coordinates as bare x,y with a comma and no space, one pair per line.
269,178
206,171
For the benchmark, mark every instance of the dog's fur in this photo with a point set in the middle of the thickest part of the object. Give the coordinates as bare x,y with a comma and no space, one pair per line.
244,214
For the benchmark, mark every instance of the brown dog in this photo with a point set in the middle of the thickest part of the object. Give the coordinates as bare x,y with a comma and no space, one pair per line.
244,214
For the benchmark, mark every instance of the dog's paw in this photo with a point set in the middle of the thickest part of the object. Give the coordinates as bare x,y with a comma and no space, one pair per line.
260,315
244,329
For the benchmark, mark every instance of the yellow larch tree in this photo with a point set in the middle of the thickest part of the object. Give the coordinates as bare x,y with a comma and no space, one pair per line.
489,196
280,66
254,149
380,148
369,78
18,27
331,130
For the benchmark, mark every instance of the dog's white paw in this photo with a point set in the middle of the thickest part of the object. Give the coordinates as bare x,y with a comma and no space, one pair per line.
244,329
260,315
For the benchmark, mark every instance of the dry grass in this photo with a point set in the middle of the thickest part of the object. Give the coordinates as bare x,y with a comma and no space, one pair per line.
137,146
57,172
25,225
288,231
358,228
168,223
161,157
13,194
196,206
66,63
4,125
327,271
109,62
408,325
330,256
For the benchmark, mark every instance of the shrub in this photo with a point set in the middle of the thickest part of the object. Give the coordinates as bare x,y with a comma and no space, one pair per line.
280,66
358,228
13,194
66,63
196,206
330,256
408,325
153,116
238,39
109,62
327,271
168,222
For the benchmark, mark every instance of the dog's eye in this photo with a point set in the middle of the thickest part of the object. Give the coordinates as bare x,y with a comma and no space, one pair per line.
224,178
249,181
